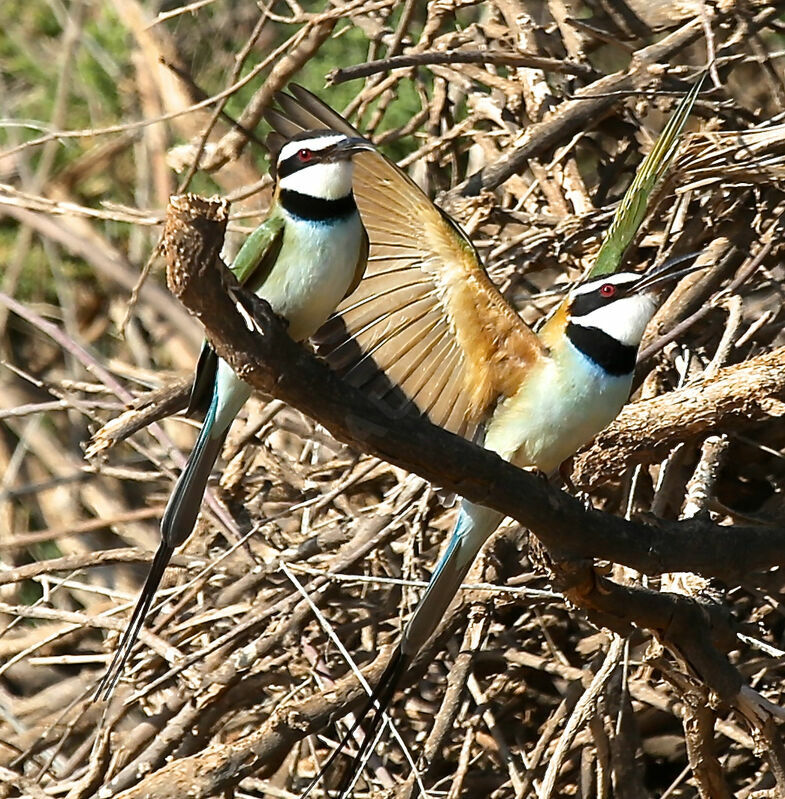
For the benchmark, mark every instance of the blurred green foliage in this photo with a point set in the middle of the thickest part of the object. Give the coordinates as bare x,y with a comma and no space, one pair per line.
102,91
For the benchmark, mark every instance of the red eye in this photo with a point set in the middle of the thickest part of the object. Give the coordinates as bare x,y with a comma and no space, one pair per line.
607,290
304,155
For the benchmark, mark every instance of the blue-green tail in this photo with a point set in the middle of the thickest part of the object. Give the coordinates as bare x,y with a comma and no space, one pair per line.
176,525
185,500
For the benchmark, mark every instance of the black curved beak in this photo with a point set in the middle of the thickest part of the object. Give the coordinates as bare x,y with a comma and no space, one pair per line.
671,270
349,146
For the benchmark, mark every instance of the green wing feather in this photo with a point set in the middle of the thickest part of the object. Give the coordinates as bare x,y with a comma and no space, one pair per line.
251,266
632,209
258,253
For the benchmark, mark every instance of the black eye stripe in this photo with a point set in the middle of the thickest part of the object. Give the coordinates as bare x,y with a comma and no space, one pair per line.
293,164
588,301
584,304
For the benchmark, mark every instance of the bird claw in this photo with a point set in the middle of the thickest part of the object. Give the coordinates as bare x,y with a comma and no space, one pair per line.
583,496
585,500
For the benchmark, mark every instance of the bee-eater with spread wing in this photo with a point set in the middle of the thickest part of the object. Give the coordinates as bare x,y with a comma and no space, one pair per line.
308,255
428,325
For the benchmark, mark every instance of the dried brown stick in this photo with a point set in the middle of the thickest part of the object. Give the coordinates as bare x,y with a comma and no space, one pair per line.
88,560
588,107
261,752
771,239
311,39
200,94
456,683
146,409
700,632
698,719
271,362
106,261
580,715
224,670
91,525
229,662
559,65
737,397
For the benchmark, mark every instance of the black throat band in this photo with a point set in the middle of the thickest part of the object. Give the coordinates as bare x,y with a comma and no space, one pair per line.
317,209
612,356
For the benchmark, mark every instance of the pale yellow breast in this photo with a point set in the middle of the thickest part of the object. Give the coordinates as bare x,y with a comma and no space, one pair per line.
312,273
564,402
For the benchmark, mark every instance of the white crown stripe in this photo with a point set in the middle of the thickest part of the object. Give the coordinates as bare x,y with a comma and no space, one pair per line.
316,143
619,279
323,181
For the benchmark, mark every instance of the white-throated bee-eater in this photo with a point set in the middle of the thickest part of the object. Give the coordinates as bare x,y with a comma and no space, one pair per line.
309,253
427,326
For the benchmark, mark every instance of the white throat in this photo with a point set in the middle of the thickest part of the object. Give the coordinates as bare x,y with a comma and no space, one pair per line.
625,319
327,181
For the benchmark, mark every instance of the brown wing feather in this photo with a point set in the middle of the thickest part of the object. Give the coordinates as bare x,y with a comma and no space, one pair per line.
420,263
426,324
362,262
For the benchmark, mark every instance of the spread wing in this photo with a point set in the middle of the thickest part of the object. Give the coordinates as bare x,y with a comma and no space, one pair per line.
426,325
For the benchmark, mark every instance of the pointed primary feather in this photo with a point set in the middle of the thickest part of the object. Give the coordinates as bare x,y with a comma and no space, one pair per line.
413,244
633,206
307,111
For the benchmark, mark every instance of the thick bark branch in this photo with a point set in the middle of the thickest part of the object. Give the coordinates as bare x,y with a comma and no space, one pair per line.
245,332
699,631
272,363
644,432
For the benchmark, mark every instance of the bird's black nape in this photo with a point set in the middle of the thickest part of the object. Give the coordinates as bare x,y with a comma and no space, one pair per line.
378,702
